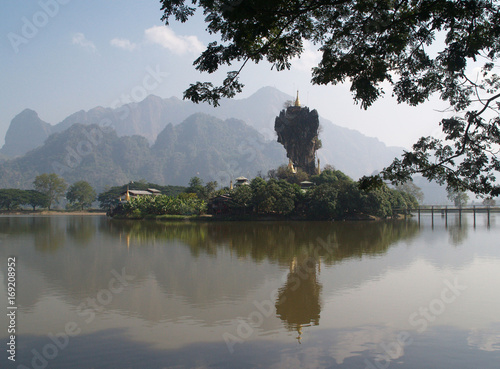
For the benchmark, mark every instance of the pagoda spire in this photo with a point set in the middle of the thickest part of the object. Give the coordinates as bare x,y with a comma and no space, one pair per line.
297,101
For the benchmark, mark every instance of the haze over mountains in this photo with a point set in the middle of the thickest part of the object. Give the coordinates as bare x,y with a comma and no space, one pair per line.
170,140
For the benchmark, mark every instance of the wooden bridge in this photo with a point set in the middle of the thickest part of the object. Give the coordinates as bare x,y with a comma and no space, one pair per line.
444,210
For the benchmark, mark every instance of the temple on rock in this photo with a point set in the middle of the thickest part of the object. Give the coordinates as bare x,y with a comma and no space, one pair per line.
297,129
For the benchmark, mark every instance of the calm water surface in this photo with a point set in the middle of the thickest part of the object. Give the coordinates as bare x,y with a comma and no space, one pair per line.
97,293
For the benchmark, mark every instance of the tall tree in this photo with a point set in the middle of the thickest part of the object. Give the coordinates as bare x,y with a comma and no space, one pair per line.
52,185
81,194
459,198
368,43
411,189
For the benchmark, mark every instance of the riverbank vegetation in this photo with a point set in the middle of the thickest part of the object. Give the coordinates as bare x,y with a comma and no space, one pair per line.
329,195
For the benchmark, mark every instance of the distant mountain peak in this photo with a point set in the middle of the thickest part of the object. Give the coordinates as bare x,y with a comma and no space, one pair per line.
26,131
26,114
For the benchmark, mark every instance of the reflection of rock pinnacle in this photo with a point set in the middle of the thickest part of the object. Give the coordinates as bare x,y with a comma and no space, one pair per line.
298,302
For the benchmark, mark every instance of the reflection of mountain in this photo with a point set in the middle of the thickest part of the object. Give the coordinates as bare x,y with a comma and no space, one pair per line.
196,264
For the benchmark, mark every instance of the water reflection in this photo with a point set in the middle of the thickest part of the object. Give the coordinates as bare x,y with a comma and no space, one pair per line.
192,261
341,289
298,302
275,241
458,230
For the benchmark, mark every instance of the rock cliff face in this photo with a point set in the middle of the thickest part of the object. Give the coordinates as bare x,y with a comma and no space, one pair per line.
26,132
297,130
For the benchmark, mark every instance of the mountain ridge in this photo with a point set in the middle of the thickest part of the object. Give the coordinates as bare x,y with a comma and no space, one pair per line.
104,159
346,149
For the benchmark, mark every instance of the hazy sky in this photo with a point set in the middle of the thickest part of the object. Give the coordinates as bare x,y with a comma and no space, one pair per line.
61,56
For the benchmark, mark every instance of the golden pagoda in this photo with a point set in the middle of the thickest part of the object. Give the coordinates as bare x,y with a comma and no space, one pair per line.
297,101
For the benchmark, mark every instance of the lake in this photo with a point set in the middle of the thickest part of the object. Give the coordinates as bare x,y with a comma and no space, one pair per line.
98,293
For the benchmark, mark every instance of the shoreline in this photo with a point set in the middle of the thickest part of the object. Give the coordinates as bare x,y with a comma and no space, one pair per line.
244,218
51,212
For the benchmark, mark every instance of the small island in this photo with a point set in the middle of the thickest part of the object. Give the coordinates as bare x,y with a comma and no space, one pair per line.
299,190
286,194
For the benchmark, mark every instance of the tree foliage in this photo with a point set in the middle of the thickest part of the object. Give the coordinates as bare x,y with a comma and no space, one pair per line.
11,198
202,191
459,198
35,198
51,185
334,196
109,198
162,204
410,188
419,48
81,194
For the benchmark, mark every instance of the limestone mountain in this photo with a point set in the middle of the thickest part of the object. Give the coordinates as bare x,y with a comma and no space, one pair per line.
26,131
346,149
201,146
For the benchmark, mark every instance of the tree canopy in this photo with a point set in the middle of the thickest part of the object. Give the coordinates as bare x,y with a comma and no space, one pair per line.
11,198
51,185
81,194
419,48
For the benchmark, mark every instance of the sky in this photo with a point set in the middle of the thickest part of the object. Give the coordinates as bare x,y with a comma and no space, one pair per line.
61,56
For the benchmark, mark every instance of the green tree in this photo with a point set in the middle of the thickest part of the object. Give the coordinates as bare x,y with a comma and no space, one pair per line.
258,186
110,198
52,185
209,190
242,197
459,198
196,187
412,189
36,198
81,194
330,176
419,48
283,172
323,202
378,202
11,198
489,201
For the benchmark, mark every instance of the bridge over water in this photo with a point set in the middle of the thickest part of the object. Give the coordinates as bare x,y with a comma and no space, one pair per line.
444,210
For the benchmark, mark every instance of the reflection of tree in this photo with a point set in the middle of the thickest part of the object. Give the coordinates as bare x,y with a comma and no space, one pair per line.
48,237
275,241
298,302
458,231
81,229
301,246
47,232
165,250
